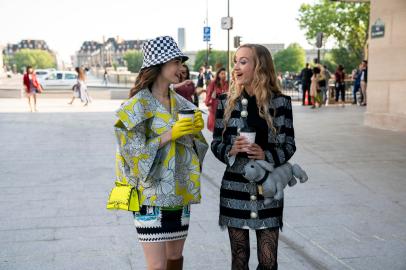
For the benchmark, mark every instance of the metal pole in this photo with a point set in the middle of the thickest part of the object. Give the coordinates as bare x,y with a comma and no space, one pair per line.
207,54
228,44
318,55
207,42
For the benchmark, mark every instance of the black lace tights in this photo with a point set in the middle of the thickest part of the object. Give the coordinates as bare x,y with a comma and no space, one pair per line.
267,248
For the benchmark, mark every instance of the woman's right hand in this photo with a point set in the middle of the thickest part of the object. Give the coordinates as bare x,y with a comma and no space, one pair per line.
240,145
181,128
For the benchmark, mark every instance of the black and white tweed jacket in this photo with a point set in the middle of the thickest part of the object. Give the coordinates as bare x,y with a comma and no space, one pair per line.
240,204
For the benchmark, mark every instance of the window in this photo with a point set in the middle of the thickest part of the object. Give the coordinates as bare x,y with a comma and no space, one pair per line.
70,76
59,76
52,77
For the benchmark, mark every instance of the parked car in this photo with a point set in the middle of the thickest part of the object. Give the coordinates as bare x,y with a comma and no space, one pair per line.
59,80
42,73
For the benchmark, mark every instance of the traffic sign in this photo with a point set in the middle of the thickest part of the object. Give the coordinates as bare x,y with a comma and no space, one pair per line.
206,33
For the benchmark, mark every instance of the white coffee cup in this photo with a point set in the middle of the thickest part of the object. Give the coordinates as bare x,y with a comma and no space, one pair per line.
249,134
188,113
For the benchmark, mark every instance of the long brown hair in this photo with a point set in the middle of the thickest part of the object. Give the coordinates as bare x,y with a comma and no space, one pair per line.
145,79
81,73
264,84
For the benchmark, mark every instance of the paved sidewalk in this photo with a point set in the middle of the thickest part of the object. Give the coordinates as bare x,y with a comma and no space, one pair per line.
57,167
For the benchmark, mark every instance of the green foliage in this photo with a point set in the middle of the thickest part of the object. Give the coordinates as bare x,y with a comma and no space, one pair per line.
346,58
341,56
200,59
216,58
35,58
345,23
134,60
290,59
329,61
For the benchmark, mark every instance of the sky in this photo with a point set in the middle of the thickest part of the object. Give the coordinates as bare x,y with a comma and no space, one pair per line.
65,25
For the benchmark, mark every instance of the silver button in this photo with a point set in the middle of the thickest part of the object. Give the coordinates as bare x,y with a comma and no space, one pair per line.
254,215
253,198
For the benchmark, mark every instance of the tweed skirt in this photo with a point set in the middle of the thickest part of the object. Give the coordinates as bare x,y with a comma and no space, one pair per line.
159,224
241,205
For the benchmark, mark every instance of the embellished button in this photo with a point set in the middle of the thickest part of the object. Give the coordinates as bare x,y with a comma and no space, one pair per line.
254,215
260,190
253,198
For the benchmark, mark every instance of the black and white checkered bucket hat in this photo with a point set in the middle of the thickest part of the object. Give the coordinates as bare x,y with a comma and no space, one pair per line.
161,50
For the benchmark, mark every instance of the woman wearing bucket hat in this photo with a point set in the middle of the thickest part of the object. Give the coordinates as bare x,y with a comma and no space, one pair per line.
160,155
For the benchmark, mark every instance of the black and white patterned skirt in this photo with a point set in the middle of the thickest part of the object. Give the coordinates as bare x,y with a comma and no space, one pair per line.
159,224
242,207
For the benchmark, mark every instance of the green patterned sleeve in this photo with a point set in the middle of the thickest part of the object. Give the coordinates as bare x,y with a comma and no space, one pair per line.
137,151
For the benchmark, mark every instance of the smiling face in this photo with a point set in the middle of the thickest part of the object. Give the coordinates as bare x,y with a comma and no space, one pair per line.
244,66
171,71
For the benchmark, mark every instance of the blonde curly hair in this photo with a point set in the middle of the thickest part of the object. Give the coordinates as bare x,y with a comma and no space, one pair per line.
264,84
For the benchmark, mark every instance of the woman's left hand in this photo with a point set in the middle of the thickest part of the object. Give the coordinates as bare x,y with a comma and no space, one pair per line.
255,152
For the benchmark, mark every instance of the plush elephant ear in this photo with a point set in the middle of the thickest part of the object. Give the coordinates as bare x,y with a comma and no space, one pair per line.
265,165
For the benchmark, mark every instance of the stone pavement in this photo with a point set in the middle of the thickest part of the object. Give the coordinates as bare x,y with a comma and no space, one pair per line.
57,167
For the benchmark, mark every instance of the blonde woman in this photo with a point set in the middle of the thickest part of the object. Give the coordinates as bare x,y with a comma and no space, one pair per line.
270,114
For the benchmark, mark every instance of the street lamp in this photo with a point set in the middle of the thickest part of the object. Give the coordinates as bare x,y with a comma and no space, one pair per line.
319,43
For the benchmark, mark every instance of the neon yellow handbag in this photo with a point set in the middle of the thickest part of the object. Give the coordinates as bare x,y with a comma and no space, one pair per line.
123,197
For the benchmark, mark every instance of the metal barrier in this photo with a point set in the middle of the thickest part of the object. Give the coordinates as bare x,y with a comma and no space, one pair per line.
122,79
293,88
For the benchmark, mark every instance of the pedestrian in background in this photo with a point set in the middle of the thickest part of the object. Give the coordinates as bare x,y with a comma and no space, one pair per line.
315,91
364,81
80,88
340,84
208,75
105,77
270,114
323,83
200,78
217,87
159,155
356,76
306,77
32,87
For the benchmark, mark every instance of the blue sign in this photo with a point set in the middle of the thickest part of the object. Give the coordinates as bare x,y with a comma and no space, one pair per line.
206,33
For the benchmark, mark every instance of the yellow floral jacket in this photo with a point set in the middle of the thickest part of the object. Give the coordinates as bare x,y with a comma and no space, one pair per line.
167,176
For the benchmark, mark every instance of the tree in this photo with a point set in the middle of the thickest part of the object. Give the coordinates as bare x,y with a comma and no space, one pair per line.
290,59
346,58
134,60
216,58
329,61
346,24
35,58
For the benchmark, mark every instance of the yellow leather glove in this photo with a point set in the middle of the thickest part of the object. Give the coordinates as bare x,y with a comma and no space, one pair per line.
198,122
181,128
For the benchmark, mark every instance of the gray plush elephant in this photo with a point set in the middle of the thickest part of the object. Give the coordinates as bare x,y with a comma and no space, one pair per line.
274,180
